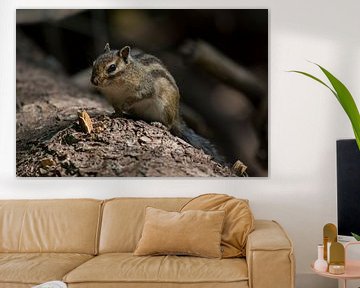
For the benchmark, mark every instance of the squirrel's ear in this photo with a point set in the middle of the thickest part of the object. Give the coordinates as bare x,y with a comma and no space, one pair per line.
124,53
107,48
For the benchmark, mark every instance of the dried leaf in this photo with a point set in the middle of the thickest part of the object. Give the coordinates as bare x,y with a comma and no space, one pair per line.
85,121
46,162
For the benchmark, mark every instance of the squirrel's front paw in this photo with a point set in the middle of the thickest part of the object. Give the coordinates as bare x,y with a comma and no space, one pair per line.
158,124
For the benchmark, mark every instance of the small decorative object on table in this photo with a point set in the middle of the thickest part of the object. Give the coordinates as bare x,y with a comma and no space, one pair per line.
340,267
320,264
329,236
51,284
337,259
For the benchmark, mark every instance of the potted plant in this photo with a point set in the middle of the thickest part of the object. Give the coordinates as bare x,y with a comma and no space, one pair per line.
346,100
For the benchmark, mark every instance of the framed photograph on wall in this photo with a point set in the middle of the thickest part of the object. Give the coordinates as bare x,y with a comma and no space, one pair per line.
134,92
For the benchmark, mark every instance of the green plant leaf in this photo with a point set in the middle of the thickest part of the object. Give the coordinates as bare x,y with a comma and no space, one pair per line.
347,102
357,237
316,79
344,97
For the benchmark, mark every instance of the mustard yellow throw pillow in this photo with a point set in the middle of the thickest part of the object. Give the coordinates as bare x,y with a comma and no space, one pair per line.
238,223
193,232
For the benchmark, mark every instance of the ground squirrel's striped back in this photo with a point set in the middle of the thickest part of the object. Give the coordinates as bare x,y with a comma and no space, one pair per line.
155,67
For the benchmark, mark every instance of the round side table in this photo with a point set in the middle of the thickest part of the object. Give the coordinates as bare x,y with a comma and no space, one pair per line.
352,269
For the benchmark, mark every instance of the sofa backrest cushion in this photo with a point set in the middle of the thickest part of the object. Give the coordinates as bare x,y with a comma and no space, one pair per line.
123,220
64,226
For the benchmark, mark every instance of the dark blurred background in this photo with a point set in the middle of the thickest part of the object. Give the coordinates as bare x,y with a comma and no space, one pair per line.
219,59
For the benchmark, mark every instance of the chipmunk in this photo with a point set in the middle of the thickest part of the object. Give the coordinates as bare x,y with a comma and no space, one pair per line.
141,86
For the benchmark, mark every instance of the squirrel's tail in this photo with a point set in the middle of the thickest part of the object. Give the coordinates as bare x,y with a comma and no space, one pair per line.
182,131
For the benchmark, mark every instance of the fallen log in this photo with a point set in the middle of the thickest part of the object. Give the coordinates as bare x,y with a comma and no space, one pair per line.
50,141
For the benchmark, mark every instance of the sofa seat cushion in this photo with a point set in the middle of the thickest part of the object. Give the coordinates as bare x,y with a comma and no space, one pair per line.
127,268
36,268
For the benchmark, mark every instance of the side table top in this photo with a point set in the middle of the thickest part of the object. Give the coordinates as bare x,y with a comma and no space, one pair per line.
352,271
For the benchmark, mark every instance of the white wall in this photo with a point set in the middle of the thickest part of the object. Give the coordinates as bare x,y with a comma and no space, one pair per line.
305,121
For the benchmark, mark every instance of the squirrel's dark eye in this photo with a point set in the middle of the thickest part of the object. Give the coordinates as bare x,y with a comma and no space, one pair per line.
111,68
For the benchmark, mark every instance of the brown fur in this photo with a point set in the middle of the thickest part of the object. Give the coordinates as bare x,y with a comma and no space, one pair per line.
140,86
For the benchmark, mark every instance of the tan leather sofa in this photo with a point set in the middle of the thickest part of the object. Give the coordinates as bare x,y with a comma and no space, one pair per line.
89,243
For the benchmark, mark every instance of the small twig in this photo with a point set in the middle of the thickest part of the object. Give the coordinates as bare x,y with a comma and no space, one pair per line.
240,169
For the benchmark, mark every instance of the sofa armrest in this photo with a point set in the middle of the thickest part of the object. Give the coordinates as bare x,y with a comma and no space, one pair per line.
269,256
